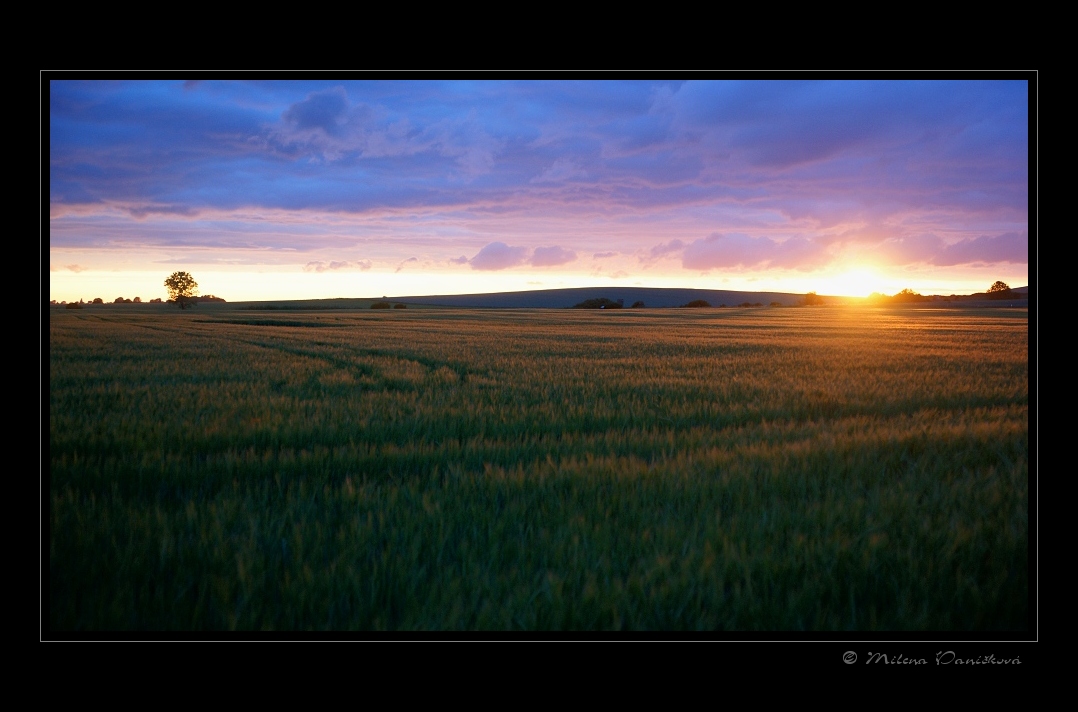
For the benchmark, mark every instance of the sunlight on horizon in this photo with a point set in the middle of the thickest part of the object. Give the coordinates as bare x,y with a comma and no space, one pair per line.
859,282
296,284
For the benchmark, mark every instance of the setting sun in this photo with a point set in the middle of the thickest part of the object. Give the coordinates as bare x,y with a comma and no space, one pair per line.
859,282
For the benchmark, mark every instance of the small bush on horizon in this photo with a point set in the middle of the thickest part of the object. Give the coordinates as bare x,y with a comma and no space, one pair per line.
908,295
600,303
380,305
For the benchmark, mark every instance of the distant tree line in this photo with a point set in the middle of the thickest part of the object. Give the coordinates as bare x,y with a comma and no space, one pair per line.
197,300
905,296
135,300
998,290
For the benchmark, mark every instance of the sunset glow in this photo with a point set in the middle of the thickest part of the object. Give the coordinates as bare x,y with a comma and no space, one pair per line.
302,190
858,282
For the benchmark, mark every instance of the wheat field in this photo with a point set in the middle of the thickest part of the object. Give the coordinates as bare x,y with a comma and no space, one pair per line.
791,469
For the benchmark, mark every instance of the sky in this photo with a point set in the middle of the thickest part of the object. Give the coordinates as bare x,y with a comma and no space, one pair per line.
298,189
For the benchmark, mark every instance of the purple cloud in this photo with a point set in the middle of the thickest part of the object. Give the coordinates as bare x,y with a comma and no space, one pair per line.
718,251
910,249
800,253
1008,247
140,212
928,248
562,170
498,255
551,256
661,250
404,262
320,266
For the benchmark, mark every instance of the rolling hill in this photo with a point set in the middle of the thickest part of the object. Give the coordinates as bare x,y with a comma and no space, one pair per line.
562,298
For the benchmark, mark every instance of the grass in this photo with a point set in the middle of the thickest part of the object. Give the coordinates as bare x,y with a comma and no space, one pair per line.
794,469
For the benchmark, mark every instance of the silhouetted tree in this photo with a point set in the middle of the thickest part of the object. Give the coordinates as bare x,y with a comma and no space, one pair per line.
181,287
999,290
812,299
638,305
696,304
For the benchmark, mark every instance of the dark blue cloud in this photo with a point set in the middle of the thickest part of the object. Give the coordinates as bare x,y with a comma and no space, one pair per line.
323,110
